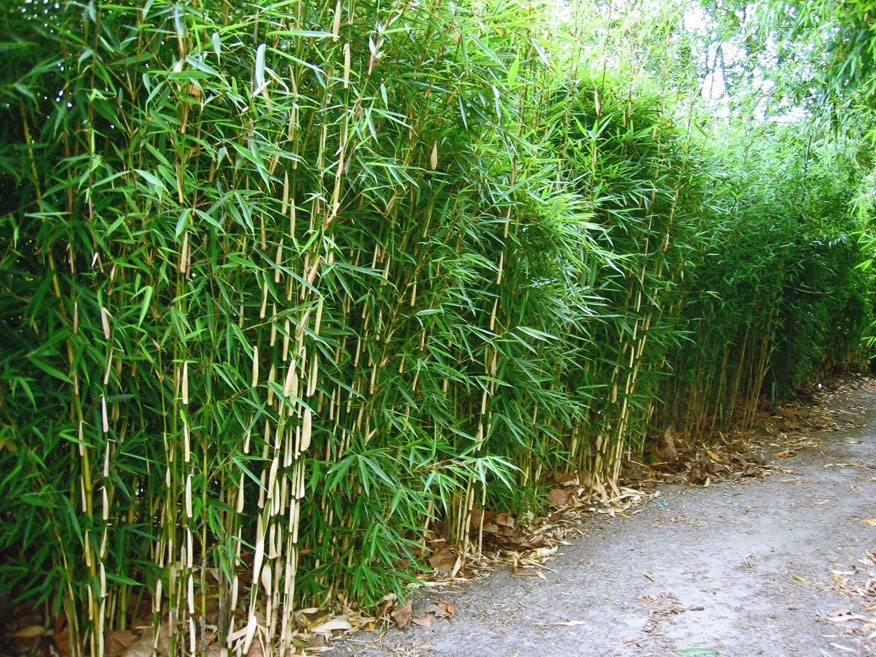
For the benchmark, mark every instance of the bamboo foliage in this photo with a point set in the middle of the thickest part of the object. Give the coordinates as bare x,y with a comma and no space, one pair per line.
286,286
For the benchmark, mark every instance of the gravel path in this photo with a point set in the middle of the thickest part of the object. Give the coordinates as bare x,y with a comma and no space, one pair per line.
735,569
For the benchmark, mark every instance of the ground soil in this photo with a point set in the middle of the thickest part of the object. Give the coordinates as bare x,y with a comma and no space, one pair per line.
777,566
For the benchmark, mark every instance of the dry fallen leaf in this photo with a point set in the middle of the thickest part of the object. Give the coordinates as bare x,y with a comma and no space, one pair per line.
309,610
574,623
870,521
449,608
558,496
422,621
505,520
316,641
564,478
142,647
216,649
117,641
332,625
402,615
441,609
256,650
842,618
163,639
543,552
443,561
62,640
28,632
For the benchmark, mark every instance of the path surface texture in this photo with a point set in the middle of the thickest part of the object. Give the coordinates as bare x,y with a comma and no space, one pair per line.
777,567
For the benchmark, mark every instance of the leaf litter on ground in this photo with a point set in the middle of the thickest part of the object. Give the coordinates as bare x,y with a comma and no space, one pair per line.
856,623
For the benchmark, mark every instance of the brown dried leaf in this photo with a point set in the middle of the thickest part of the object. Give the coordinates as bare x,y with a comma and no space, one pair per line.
437,543
334,624
668,450
443,561
402,615
29,632
117,641
164,639
255,650
142,647
559,496
563,478
422,621
316,641
62,641
215,649
441,609
505,520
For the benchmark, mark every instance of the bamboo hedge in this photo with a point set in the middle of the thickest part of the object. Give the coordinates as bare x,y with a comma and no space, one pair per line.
287,284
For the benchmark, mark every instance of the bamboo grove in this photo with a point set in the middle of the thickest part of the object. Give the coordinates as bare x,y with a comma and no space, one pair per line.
286,284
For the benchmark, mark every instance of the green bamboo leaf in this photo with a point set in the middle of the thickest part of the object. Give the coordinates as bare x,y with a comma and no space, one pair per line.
144,305
182,222
153,180
122,579
249,473
512,71
73,519
49,369
178,22
307,34
205,73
